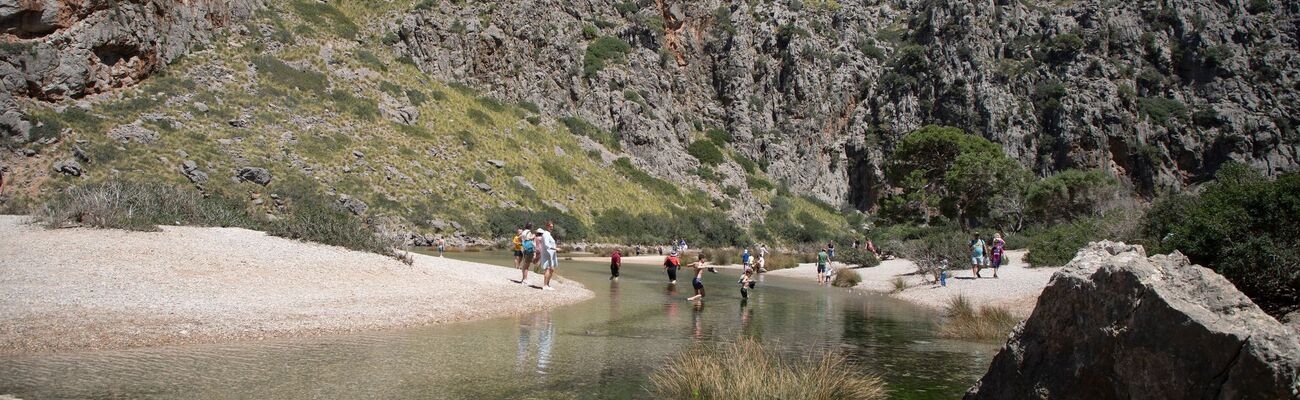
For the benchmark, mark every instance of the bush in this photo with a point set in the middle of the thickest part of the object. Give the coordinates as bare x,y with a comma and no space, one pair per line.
1162,111
1245,227
279,72
899,284
579,126
699,226
479,117
1071,194
846,278
1056,245
1065,46
705,151
326,16
935,249
722,256
602,51
859,257
624,166
747,370
360,107
719,136
775,261
989,323
504,223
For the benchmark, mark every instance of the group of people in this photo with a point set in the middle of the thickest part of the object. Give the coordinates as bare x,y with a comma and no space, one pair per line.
986,255
536,248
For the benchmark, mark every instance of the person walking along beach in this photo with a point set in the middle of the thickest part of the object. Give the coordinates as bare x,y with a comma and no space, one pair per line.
527,250
615,261
550,261
996,254
976,255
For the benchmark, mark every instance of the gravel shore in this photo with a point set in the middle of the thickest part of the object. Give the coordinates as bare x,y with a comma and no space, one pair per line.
1016,289
83,289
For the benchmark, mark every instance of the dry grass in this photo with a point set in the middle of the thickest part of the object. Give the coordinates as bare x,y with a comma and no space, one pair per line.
846,278
900,284
748,370
989,323
775,261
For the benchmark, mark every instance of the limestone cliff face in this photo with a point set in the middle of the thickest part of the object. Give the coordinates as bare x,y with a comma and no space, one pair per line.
60,49
1158,92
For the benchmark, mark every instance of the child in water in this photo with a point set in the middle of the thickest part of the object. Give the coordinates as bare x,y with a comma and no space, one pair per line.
746,283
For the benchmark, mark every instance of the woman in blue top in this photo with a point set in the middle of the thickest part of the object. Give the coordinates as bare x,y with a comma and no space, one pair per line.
976,254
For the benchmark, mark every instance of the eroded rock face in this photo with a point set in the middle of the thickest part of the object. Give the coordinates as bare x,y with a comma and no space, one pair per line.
60,49
1115,324
821,91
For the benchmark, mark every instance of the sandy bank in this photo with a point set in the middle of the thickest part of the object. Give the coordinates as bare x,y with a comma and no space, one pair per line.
1016,289
96,289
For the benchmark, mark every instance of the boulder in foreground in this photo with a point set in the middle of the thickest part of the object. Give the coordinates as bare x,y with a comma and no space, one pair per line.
1115,324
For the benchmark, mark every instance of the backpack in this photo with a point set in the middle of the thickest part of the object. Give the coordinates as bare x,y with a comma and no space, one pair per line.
527,246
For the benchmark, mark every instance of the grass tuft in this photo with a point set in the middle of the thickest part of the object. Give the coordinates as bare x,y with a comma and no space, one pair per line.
988,323
846,278
748,370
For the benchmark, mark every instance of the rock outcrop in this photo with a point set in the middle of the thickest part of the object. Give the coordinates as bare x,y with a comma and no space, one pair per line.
60,49
818,91
1115,324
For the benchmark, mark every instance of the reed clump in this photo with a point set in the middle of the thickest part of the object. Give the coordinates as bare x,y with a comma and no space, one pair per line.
966,322
748,370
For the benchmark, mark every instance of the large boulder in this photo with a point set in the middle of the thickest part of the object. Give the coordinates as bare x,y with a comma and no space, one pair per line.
1115,324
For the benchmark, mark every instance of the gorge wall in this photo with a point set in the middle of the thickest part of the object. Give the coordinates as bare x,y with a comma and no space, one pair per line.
1159,92
66,49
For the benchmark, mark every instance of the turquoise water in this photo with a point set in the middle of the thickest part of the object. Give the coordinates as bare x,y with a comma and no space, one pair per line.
602,348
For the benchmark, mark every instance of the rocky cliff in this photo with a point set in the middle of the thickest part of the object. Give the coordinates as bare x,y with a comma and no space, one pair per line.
61,49
1159,92
1115,324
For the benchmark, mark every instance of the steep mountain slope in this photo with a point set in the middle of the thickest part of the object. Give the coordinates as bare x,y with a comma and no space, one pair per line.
302,97
818,91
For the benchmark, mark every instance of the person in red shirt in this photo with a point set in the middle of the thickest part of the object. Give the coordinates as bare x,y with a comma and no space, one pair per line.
670,265
615,261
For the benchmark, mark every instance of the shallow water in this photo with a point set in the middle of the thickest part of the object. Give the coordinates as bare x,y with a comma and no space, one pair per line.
602,348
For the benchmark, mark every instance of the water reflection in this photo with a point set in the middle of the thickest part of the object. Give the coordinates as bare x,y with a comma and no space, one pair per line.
697,321
541,324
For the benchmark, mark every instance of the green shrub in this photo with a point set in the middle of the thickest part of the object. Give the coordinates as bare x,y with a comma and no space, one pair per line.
479,117
602,51
579,126
705,151
719,136
1065,46
361,107
326,16
1244,226
624,166
279,72
758,183
856,258
467,139
1071,194
1048,95
560,173
747,370
1056,245
1162,111
491,103
503,223
417,97
530,106
370,59
699,226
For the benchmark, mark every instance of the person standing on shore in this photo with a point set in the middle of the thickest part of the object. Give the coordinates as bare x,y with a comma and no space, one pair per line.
976,254
698,283
550,260
517,246
528,251
822,259
995,255
830,250
615,261
670,266
441,244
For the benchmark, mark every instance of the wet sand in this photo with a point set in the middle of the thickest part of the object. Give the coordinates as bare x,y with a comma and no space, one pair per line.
85,289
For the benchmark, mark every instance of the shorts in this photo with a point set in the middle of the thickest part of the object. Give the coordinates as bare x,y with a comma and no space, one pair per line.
549,260
995,261
697,284
977,260
519,253
821,268
528,257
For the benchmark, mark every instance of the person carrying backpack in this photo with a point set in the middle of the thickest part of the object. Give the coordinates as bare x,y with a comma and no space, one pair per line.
527,251
670,266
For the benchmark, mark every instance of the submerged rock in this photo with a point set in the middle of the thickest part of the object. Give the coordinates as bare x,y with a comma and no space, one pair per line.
1115,324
